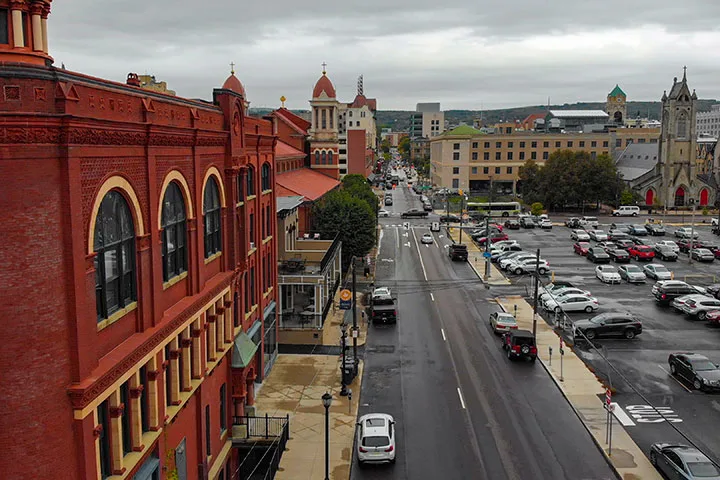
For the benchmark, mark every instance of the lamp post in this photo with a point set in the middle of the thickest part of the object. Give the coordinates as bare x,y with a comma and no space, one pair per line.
327,401
343,344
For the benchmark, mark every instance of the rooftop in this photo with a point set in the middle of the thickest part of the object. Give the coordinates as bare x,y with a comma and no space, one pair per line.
578,113
288,203
637,159
617,91
305,182
463,130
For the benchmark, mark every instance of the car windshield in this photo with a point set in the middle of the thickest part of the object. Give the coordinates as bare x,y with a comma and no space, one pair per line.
633,269
376,441
703,469
703,365
599,319
506,318
657,268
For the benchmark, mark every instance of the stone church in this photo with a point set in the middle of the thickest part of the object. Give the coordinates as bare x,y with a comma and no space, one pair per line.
683,173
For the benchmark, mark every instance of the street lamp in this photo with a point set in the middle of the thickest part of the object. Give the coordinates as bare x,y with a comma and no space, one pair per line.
343,344
327,401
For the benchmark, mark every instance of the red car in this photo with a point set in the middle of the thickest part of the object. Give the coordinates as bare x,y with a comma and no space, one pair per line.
713,316
497,237
641,252
581,248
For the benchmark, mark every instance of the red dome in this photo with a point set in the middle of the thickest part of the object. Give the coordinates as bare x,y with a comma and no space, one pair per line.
232,83
324,85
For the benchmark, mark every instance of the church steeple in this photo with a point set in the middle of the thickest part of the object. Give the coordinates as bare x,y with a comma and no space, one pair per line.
27,40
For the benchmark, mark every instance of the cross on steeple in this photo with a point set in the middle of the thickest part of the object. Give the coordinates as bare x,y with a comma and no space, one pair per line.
685,72
232,68
324,65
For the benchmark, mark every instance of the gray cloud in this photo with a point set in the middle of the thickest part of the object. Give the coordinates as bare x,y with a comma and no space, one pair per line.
468,55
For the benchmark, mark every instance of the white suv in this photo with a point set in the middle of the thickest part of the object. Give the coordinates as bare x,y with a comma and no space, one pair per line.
376,438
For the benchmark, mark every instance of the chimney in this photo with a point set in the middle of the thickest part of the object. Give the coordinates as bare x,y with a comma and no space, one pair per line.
132,79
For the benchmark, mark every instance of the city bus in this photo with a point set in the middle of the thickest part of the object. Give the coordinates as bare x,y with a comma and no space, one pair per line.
495,209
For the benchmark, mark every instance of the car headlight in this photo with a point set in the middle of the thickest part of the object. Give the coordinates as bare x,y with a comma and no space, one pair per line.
704,380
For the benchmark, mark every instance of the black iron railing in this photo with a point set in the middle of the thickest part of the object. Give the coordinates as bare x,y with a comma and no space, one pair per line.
264,427
330,254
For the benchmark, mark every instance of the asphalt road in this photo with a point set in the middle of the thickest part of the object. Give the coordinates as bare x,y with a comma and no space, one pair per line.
463,411
642,380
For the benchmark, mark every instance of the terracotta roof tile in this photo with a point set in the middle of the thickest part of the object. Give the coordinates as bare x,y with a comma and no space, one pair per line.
293,120
283,150
306,182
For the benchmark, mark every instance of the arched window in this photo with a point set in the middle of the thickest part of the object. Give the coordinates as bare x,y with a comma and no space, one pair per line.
211,214
330,157
114,245
250,181
324,158
174,232
317,157
265,177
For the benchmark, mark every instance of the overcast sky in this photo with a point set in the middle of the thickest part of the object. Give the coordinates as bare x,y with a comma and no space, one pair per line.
471,55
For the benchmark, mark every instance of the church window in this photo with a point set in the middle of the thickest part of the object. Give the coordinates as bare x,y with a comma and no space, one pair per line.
174,230
682,126
317,157
330,157
4,30
317,117
211,218
331,114
324,119
324,158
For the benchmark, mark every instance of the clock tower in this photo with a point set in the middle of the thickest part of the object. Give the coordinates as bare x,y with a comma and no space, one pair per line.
616,106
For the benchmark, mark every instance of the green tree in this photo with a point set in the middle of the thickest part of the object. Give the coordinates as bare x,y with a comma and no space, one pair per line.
385,146
536,208
628,197
530,181
358,186
339,212
404,146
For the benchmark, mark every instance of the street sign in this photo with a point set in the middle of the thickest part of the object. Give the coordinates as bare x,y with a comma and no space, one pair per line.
487,254
345,299
608,397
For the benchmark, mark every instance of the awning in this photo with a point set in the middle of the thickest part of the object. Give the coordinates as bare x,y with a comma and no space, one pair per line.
243,351
269,310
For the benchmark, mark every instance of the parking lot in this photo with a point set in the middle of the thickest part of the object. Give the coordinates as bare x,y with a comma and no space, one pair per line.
644,389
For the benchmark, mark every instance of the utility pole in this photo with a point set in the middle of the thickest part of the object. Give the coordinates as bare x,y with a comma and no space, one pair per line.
692,231
487,246
461,216
354,315
537,287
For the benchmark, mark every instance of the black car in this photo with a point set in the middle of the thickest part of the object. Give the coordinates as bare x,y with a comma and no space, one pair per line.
449,218
655,229
519,344
598,255
713,290
639,241
512,224
414,213
458,251
696,369
667,291
665,253
527,222
611,324
615,235
618,255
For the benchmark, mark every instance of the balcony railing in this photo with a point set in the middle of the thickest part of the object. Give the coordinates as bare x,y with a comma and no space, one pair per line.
263,427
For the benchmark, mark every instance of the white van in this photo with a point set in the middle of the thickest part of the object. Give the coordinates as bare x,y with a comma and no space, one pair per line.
626,211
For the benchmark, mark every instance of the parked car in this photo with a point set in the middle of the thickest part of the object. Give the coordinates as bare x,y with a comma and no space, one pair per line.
607,274
624,243
638,230
512,224
497,237
383,309
702,255
573,222
655,229
639,240
449,218
496,253
699,307
665,253
561,292
581,248
713,247
556,285
713,317
520,344
641,252
685,245
615,235
679,302
632,274
606,245
505,262
589,222
686,232
376,438
626,211
598,255
546,224
610,324
677,461
502,322
598,235
427,207
383,213
572,303
618,255
669,243
697,369
527,222
519,267
667,291
621,227
657,271
427,239
579,236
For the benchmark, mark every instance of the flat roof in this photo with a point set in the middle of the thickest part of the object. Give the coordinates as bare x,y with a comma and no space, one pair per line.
578,113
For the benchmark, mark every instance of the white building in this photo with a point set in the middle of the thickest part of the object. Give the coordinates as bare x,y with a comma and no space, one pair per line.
427,121
709,122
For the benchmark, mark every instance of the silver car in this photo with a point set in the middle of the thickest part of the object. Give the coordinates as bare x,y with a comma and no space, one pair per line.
682,462
632,274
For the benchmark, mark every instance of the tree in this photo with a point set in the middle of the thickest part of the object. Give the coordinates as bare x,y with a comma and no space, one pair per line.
341,213
385,146
627,197
404,146
529,180
536,208
358,186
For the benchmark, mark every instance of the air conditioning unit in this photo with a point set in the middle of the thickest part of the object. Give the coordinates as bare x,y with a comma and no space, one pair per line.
252,245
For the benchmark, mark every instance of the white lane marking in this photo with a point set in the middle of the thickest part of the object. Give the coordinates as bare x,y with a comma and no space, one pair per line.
650,414
422,264
432,297
442,330
397,237
462,401
673,377
622,417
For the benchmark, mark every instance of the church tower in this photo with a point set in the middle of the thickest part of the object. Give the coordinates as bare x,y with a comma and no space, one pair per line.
678,145
24,32
616,106
324,141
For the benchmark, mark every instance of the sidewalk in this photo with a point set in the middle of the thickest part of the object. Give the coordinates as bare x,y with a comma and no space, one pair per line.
476,260
295,387
581,388
331,330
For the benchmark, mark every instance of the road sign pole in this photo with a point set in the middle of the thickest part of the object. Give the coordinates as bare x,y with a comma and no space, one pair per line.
487,247
354,318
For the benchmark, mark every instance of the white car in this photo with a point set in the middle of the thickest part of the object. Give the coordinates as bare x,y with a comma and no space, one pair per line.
502,322
573,303
381,291
505,262
679,302
607,274
426,239
502,243
546,224
670,244
579,235
686,232
598,235
529,265
657,271
383,213
376,438
561,292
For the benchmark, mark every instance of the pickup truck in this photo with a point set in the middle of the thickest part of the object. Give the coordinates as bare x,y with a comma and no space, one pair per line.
458,251
383,309
414,213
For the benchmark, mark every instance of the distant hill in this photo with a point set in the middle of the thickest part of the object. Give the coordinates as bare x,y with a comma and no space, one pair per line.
399,120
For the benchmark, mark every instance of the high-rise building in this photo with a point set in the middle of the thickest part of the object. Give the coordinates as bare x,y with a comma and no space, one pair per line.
427,121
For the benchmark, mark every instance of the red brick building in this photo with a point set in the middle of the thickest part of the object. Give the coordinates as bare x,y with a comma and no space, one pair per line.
138,267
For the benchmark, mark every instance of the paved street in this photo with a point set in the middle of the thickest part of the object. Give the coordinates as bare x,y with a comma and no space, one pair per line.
462,409
643,361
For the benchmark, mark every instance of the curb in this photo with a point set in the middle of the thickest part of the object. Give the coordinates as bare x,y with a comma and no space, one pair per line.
577,414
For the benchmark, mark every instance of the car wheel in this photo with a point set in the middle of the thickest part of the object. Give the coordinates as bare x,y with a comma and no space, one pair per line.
653,458
392,461
590,334
629,333
697,384
588,309
518,271
505,214
634,214
673,368
557,309
542,271
702,316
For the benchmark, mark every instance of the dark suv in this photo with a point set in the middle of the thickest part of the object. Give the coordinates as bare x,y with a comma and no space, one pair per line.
520,344
458,251
666,291
617,324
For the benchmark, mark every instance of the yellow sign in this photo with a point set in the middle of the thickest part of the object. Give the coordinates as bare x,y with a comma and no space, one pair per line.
460,192
345,295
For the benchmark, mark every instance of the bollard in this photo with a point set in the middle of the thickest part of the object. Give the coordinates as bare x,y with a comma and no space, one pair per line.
550,355
515,311
349,401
